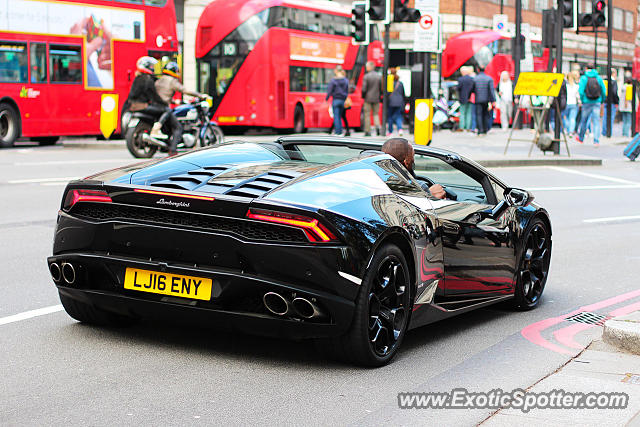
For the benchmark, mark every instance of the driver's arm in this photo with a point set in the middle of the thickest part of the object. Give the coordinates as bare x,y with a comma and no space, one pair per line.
437,191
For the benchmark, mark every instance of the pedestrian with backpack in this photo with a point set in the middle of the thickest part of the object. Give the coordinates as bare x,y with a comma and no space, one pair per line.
592,93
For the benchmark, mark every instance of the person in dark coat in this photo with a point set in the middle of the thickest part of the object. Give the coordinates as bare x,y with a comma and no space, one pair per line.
485,97
465,88
338,90
396,105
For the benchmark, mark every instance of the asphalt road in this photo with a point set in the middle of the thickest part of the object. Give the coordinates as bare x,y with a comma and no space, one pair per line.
55,371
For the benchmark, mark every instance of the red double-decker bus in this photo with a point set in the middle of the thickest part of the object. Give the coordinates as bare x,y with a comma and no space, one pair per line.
66,66
267,63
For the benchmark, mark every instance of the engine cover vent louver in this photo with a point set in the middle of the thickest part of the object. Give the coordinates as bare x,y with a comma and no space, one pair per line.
263,184
190,180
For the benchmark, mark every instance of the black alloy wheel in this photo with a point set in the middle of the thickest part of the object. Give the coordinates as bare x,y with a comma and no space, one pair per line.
533,269
381,315
387,306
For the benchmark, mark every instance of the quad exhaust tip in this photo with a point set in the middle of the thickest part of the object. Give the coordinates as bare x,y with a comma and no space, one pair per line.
54,269
306,308
68,273
276,303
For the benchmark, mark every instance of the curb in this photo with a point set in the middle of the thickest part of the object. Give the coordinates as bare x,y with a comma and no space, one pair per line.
99,145
623,332
496,163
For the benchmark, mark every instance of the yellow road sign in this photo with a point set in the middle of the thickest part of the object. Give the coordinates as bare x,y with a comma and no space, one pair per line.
540,84
108,114
423,123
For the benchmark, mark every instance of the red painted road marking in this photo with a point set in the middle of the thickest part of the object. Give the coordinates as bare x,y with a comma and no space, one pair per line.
533,332
625,310
565,335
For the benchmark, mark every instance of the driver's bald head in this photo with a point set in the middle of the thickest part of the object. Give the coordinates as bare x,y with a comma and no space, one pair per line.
398,148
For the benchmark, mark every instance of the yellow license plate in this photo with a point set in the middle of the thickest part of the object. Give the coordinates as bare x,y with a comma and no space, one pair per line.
175,285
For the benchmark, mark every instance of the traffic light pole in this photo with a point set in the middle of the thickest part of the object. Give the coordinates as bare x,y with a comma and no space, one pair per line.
558,119
516,48
385,71
609,59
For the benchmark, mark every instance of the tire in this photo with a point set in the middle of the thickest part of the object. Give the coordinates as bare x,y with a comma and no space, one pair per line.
136,146
213,135
47,140
372,340
9,125
87,313
298,120
533,266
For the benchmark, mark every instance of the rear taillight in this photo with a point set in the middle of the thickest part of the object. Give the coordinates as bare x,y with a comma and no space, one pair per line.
315,231
75,196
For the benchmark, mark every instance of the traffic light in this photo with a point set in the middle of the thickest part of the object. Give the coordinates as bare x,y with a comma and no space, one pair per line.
378,10
598,11
403,13
359,23
597,16
520,41
569,12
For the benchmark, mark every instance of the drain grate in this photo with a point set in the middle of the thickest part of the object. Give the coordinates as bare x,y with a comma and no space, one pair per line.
588,318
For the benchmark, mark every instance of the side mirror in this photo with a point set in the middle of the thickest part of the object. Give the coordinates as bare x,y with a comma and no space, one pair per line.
512,197
517,197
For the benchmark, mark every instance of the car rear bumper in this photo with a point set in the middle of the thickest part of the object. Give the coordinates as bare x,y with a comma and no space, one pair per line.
236,301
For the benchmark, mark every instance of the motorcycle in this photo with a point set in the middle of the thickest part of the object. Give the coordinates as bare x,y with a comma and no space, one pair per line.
195,118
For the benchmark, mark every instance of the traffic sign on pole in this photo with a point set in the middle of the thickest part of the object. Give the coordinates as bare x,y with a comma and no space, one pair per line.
427,33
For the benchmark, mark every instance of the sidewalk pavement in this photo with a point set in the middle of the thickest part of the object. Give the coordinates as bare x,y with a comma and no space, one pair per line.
487,150
605,366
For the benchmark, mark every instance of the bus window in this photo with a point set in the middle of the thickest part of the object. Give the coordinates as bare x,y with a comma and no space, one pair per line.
38,62
13,62
65,64
308,79
158,3
537,50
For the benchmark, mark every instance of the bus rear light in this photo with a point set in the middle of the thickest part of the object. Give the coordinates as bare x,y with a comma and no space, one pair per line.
315,231
75,196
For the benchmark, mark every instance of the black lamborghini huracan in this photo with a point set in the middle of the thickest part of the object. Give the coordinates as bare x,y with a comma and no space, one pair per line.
305,237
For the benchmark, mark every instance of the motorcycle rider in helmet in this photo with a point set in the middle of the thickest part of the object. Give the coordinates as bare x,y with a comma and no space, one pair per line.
166,86
143,95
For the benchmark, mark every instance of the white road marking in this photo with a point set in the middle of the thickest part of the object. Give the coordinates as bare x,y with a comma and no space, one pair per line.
584,187
54,184
41,180
70,162
30,314
593,175
612,219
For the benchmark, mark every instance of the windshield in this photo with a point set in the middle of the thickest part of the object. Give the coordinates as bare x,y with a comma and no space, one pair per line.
217,69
